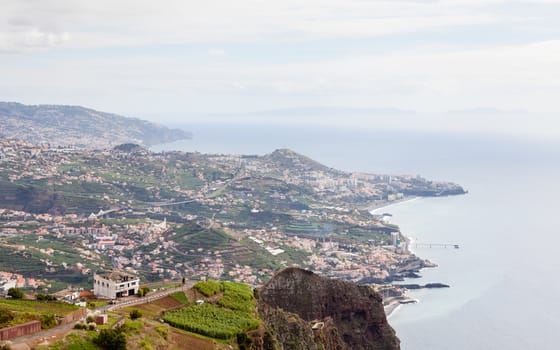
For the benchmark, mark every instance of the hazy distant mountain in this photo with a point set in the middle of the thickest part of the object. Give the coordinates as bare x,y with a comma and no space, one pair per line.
79,126
332,111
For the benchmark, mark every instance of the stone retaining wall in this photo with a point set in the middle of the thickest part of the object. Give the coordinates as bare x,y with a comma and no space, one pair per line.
74,316
20,330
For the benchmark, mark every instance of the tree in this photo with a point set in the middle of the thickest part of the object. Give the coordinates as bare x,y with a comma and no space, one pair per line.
143,291
111,339
15,293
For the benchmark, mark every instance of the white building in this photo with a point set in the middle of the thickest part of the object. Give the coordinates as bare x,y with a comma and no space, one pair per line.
395,238
115,285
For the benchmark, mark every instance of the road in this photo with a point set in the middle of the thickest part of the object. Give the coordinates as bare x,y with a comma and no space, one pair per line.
58,332
147,299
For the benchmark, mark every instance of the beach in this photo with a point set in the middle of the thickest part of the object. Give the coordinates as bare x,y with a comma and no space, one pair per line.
376,208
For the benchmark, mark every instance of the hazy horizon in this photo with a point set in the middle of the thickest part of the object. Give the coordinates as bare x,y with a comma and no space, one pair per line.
493,63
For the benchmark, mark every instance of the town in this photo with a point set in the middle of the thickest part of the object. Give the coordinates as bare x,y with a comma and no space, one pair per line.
66,214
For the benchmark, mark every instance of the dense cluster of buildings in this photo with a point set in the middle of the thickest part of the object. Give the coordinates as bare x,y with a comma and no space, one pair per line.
140,240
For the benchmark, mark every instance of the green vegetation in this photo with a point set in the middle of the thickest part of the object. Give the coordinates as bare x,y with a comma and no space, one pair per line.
45,297
95,304
134,314
163,331
111,339
15,293
211,320
237,296
32,262
143,291
180,297
6,316
14,312
209,288
75,341
133,325
234,312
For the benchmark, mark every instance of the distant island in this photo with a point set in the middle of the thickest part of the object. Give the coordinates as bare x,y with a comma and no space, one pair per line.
80,127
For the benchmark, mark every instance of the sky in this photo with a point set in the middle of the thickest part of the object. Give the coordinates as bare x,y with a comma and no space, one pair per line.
450,64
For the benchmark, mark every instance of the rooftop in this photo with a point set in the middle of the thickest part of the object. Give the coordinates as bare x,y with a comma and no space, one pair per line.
118,276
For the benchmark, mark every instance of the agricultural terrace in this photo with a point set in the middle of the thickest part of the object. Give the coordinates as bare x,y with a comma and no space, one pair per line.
233,312
14,312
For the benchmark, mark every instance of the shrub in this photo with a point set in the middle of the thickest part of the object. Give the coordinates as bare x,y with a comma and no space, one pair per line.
5,316
48,321
90,319
80,325
92,326
143,291
163,331
134,314
244,341
15,293
45,297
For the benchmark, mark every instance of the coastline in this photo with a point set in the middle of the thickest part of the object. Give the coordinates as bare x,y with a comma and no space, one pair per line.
374,208
394,303
391,309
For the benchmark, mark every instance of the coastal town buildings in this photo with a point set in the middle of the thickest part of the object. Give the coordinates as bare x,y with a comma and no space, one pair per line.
171,214
115,284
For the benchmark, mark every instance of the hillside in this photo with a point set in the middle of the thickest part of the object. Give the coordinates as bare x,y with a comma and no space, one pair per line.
296,310
66,213
79,127
285,158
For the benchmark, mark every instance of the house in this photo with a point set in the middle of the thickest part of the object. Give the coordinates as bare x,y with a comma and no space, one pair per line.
115,284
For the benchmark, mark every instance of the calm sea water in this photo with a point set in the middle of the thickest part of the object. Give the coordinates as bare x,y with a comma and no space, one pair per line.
505,289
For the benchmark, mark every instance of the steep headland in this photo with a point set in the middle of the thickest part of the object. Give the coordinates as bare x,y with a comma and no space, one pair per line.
302,310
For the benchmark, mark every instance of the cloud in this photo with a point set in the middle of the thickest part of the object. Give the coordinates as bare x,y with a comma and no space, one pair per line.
31,40
217,56
106,23
216,52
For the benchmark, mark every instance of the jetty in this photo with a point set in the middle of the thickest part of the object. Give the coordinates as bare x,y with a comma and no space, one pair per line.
435,245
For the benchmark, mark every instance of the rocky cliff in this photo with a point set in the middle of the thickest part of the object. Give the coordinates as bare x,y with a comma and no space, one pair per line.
302,310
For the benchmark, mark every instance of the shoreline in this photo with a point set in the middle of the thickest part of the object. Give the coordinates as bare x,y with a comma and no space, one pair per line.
373,208
395,304
391,309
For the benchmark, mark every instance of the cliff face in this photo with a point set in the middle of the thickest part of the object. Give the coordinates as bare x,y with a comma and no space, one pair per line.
339,314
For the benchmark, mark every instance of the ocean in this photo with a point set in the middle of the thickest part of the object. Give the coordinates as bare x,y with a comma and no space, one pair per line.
504,285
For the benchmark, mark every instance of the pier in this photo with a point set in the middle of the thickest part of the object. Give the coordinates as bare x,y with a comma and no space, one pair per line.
435,245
